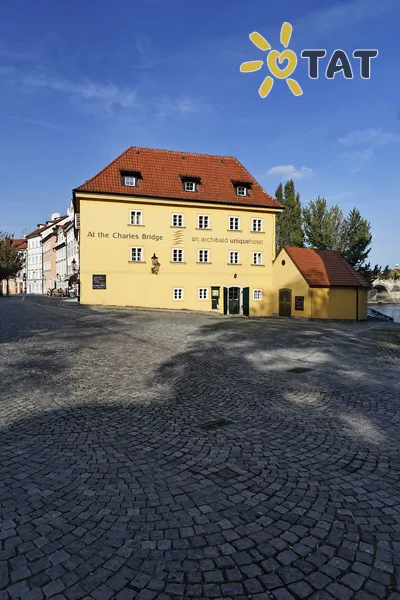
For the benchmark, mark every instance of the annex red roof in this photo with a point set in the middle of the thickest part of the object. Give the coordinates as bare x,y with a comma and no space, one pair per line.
325,268
161,173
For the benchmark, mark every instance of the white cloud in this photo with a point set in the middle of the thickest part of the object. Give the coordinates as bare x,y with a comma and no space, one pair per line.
362,144
109,95
331,19
290,171
370,137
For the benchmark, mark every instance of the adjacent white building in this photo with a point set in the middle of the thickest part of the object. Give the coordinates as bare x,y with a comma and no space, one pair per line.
35,276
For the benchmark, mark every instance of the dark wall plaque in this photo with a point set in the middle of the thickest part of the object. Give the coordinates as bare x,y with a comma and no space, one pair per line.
299,302
99,282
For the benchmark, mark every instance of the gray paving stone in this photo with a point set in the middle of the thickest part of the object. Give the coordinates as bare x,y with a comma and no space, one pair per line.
109,481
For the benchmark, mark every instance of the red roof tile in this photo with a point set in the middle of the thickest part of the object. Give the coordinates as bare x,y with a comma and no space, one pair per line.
49,224
161,172
325,268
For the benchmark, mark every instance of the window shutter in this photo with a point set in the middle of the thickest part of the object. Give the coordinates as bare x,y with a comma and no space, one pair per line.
225,301
246,301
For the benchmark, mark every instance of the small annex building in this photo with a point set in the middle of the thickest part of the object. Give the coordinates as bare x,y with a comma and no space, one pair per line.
318,284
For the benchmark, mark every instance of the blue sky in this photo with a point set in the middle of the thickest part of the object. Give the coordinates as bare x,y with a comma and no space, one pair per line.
82,81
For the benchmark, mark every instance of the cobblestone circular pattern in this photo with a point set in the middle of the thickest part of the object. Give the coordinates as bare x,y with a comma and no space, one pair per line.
158,456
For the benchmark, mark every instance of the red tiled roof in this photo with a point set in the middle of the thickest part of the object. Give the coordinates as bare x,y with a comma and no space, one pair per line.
20,243
325,268
49,224
161,172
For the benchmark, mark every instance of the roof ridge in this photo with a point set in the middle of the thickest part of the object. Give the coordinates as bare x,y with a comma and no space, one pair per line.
181,152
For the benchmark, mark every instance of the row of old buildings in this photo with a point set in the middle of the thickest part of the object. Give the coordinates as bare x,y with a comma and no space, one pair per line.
51,258
180,230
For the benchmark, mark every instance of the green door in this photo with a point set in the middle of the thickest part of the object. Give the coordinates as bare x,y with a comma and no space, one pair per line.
285,303
246,301
225,301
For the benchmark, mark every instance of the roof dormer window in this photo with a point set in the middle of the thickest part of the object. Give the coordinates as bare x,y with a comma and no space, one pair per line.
190,186
190,183
130,178
242,188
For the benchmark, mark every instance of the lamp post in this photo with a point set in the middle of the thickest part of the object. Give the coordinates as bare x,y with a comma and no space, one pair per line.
75,276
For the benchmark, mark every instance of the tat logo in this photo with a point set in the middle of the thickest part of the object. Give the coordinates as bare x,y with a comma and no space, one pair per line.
338,62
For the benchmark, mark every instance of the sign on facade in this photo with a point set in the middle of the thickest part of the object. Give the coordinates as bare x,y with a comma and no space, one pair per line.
99,282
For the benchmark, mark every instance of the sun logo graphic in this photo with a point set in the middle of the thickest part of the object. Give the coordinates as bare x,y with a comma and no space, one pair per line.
275,62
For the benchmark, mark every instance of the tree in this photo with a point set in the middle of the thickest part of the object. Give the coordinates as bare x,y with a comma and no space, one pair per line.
370,273
323,226
357,239
289,226
11,259
385,272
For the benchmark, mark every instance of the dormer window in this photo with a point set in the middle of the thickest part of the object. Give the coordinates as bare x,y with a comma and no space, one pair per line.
242,188
190,183
190,186
130,178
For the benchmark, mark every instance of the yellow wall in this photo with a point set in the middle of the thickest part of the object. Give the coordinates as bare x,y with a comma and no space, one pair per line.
104,251
319,303
288,276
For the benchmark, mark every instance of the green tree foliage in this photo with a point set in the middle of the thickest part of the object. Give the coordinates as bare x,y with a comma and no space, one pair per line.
385,272
368,272
357,238
323,226
11,259
289,227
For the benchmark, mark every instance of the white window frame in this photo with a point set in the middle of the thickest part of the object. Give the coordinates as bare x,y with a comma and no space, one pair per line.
254,226
139,254
257,294
202,294
189,186
177,252
258,258
241,190
231,253
137,216
130,180
176,292
178,217
233,221
205,253
200,219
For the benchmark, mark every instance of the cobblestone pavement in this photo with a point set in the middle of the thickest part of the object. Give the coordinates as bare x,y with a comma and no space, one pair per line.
175,456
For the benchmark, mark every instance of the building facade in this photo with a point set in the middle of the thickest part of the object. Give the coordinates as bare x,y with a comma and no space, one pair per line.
164,229
67,255
41,273
318,284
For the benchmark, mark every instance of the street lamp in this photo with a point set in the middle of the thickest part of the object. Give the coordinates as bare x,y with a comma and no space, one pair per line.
156,265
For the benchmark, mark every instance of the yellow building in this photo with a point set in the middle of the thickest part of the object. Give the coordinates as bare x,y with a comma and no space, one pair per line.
318,284
165,229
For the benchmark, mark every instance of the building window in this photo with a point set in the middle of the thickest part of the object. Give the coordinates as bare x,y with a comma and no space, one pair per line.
203,222
135,217
137,254
257,294
257,225
177,220
234,223
203,293
203,256
241,190
257,258
178,294
234,257
177,255
130,180
190,186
